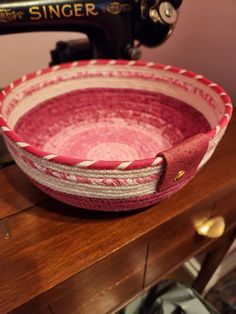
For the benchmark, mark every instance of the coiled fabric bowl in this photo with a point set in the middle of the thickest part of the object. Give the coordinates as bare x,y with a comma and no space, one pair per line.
112,135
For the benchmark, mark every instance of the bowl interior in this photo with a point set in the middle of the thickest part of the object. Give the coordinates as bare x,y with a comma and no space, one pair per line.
109,123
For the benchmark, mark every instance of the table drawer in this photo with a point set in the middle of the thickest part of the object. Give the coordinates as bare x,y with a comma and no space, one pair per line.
175,241
97,289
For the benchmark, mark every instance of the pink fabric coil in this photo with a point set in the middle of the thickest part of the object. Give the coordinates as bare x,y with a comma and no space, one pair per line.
112,135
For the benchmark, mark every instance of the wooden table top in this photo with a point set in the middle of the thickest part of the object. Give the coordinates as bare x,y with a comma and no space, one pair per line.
44,242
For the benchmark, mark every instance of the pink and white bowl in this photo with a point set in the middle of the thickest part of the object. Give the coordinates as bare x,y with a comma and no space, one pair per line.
112,135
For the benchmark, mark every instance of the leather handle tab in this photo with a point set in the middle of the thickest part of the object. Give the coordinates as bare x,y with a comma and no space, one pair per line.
182,161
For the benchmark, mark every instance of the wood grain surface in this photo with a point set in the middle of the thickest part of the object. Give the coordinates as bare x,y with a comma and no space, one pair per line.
45,245
16,192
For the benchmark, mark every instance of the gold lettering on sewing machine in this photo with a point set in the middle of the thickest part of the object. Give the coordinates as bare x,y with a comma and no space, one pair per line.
7,15
117,7
59,11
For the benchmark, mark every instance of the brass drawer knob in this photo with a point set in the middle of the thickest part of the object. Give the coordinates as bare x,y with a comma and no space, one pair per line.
212,228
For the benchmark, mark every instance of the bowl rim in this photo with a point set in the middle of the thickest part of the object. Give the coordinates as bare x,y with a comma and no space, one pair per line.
103,164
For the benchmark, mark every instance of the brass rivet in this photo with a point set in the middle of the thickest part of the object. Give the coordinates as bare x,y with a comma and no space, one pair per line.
179,175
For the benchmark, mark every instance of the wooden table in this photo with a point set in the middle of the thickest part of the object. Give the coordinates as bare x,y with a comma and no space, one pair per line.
59,259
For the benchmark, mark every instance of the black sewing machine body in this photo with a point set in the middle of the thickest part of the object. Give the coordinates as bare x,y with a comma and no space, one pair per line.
113,27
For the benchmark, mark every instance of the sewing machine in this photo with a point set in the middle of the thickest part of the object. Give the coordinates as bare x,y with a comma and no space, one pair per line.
115,28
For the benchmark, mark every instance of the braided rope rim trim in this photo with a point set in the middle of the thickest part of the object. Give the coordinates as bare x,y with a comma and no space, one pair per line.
121,165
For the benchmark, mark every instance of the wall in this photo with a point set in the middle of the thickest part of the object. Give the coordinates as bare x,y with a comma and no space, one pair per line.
203,41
